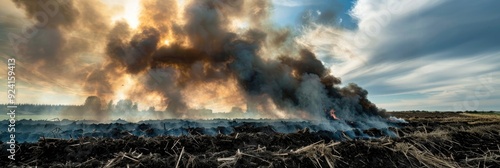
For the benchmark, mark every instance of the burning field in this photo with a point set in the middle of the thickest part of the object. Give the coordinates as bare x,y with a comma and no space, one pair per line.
440,139
212,83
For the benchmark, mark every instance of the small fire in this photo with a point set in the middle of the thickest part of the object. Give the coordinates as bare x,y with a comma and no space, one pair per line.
332,114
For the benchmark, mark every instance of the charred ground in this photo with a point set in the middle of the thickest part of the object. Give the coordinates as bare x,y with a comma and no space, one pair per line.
429,140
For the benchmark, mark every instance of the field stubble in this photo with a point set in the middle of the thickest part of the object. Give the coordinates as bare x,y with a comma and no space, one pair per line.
427,140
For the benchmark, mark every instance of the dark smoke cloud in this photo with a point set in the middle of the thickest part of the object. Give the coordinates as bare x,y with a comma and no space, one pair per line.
51,44
135,54
295,82
168,86
59,40
62,13
270,70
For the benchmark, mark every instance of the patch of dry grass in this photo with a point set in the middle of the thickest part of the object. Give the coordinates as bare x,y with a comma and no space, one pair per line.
424,156
482,118
436,134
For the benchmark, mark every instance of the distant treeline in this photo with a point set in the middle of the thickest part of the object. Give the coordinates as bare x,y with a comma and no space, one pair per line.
90,105
42,108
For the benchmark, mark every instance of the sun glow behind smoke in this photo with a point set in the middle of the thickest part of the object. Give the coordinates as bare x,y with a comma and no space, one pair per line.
166,42
128,84
130,13
239,24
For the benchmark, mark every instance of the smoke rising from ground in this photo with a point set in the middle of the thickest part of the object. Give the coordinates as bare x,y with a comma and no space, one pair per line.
227,52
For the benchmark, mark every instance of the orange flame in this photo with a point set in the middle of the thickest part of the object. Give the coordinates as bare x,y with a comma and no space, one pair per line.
332,114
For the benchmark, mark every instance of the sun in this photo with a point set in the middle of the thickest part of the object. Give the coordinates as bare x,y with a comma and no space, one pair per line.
239,24
166,42
130,13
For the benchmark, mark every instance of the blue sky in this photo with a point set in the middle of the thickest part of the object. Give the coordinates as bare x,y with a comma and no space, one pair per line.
409,55
290,12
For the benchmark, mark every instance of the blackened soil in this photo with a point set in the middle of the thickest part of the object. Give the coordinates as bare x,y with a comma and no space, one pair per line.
428,140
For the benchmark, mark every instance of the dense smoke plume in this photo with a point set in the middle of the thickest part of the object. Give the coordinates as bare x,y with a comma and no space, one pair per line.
195,54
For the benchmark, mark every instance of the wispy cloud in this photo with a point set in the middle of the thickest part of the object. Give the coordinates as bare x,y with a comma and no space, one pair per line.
438,50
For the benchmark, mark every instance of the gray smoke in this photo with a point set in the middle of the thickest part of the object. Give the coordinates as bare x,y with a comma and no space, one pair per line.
264,60
295,82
